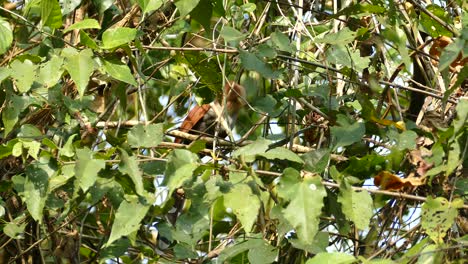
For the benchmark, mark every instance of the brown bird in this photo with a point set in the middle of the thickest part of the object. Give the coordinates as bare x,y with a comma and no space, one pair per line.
202,120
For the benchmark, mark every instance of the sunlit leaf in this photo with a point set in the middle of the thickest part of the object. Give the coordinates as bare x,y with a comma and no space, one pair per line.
246,212
335,257
87,168
438,215
304,209
24,74
145,136
80,66
84,24
115,37
51,13
357,206
50,72
6,35
149,5
119,71
186,6
127,218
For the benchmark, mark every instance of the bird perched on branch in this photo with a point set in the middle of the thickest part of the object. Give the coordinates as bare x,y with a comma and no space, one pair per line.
203,120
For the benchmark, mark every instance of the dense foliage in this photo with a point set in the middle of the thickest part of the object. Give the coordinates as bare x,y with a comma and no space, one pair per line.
351,147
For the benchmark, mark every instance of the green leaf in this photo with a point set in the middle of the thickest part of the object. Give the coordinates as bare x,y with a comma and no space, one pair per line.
24,74
335,257
33,148
404,140
68,150
252,63
87,168
287,184
80,66
249,151
438,215
51,13
14,229
281,41
340,54
127,218
29,131
246,212
115,37
450,53
119,71
87,41
316,160
262,254
460,122
6,35
36,188
14,106
129,166
346,133
431,26
149,5
179,168
281,154
231,34
305,208
50,72
84,24
145,136
69,5
342,37
186,6
357,206
203,12
238,248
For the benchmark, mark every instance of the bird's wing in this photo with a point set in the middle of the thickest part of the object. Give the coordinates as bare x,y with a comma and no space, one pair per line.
192,119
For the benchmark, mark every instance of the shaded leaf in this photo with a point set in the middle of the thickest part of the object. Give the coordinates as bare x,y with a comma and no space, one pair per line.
36,188
281,41
179,168
129,166
252,63
342,37
347,133
127,218
249,151
231,34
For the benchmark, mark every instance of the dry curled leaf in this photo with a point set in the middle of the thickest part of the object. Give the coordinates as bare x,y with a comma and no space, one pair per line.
389,181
